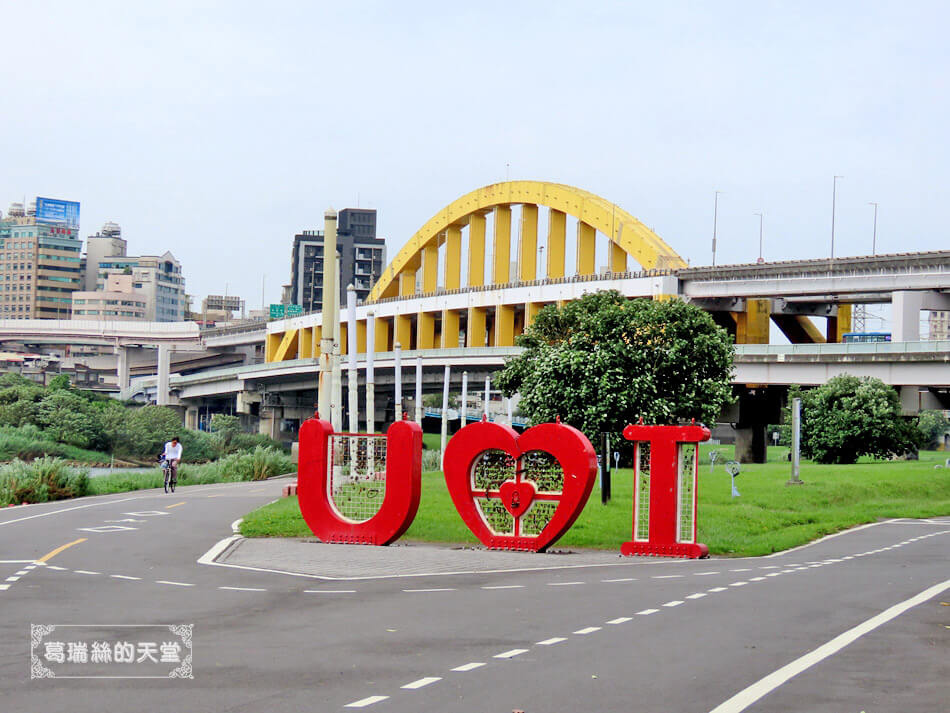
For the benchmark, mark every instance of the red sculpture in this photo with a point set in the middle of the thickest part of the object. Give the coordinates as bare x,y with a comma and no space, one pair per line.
665,475
353,491
519,492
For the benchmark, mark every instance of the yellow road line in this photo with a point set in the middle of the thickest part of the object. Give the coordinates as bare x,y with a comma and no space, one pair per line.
169,507
50,555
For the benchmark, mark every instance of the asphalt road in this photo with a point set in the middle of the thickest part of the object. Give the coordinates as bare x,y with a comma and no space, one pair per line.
857,622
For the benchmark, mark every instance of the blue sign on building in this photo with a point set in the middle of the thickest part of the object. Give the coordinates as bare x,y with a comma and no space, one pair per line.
53,210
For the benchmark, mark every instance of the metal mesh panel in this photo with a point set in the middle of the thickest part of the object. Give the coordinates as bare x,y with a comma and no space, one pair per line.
490,470
642,482
687,479
357,477
537,517
543,470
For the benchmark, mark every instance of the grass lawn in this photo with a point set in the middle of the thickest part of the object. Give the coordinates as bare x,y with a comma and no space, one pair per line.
768,517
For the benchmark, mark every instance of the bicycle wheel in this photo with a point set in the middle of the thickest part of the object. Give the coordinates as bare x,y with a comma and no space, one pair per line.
167,478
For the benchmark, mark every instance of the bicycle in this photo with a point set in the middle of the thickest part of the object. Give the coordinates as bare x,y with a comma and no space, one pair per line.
167,472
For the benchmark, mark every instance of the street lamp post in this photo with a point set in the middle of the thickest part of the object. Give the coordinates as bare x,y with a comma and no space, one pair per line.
874,236
715,226
834,195
761,218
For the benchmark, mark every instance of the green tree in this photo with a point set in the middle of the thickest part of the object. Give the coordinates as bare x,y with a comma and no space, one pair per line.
226,427
58,383
149,428
934,427
848,417
69,418
604,361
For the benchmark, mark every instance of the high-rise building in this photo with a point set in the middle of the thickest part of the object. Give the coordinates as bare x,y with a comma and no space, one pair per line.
119,301
40,259
157,278
107,243
362,258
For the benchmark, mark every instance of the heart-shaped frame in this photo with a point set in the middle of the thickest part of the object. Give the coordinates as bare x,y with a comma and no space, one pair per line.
566,444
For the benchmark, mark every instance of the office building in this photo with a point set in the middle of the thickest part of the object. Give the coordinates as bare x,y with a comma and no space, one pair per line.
157,278
119,301
939,325
106,243
40,259
362,258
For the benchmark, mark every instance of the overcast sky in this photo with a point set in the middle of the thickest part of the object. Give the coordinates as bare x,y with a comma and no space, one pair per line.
217,130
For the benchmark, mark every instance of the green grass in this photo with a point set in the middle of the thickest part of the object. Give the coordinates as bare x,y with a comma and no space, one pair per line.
768,517
14,443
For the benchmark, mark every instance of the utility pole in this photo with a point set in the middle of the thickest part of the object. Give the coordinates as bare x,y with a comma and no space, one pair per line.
874,235
761,219
715,226
834,195
327,317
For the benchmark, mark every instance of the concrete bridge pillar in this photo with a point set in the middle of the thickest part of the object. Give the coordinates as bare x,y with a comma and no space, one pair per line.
123,373
906,306
758,407
164,370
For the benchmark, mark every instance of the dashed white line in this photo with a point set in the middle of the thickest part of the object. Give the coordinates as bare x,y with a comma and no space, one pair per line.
4,587
738,584
510,654
329,591
666,576
12,579
774,574
421,682
741,569
21,572
505,586
174,584
551,641
698,595
563,584
363,702
703,574
770,566
243,589
756,579
645,612
58,569
587,630
432,589
716,589
124,576
469,666
85,571
621,579
674,603
620,620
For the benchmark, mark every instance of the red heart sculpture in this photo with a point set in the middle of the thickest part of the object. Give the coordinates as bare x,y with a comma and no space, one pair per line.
566,444
517,497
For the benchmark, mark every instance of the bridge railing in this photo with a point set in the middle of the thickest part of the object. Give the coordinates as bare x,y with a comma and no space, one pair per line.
838,349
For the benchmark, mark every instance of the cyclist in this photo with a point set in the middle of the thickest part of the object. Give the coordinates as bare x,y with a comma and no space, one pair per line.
172,456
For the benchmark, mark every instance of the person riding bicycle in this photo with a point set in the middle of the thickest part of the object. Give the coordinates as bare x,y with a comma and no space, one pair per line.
172,456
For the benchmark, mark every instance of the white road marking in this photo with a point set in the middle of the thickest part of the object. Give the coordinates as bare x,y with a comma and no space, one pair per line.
30,566
422,682
716,589
620,620
770,566
563,584
621,579
85,571
147,513
176,584
12,579
505,586
738,584
756,579
551,641
741,569
236,526
4,587
674,603
106,528
125,519
21,572
432,589
645,612
329,591
53,566
469,666
125,576
77,507
587,630
703,574
243,589
666,576
510,654
15,561
746,697
698,595
363,702
774,574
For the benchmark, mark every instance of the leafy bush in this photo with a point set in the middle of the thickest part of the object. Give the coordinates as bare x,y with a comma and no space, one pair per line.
259,464
28,442
934,426
69,418
42,480
250,441
431,460
226,426
848,417
200,447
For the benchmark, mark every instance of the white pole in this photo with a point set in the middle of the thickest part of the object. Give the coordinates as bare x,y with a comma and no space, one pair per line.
508,400
487,393
796,441
351,377
370,373
327,319
336,408
462,413
445,409
419,390
397,378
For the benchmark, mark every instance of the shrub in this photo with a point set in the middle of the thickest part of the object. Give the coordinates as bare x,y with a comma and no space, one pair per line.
69,418
431,460
250,441
42,480
258,464
199,447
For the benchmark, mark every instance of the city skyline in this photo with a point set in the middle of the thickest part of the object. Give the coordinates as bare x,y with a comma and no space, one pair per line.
221,137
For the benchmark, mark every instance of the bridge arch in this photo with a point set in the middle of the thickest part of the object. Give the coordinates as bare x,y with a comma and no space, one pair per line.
627,236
